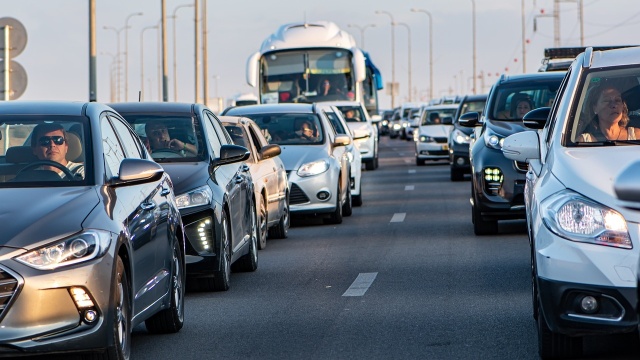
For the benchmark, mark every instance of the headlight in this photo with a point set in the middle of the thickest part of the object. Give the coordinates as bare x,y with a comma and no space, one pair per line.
425,138
196,197
78,248
385,122
493,140
404,124
460,138
396,126
576,218
313,168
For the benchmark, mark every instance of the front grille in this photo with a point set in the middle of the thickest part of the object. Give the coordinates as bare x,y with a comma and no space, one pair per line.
297,196
8,288
441,140
521,166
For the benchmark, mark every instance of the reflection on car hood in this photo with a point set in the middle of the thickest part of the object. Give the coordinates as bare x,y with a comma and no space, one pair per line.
187,176
293,156
359,128
506,128
592,171
31,216
436,130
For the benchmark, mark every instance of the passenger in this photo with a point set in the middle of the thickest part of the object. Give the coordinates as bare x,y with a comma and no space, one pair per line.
350,115
158,135
521,106
434,118
307,131
609,117
326,89
49,142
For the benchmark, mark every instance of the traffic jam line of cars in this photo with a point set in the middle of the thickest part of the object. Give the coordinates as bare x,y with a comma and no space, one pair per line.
133,203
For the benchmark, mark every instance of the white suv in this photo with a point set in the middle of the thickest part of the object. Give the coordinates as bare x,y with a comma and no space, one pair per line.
364,132
584,241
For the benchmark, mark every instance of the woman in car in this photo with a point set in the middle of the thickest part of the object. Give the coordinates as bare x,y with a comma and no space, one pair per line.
607,117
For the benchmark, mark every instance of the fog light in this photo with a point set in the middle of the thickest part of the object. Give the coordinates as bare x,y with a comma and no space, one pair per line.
90,316
589,304
82,299
323,195
460,161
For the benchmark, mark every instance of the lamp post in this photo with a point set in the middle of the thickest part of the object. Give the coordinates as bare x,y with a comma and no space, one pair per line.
473,6
175,56
362,29
393,57
117,31
409,51
430,50
126,55
142,59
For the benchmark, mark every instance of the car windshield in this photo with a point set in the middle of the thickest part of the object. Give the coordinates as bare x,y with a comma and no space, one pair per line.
352,113
169,138
607,109
512,101
44,151
290,129
437,116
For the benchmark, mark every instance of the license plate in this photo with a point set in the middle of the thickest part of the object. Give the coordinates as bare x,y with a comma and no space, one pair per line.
445,147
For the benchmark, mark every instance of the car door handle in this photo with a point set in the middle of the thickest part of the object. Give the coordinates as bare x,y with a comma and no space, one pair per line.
239,179
165,192
245,168
148,206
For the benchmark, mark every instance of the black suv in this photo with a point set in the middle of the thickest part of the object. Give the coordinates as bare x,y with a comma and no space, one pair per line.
460,136
497,183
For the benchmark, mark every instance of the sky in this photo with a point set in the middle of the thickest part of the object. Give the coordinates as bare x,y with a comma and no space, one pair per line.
56,55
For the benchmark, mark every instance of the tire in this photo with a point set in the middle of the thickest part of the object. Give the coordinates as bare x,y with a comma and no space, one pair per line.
171,320
121,349
553,345
356,200
419,162
456,174
336,215
280,231
262,225
222,278
376,163
481,226
370,164
347,208
249,261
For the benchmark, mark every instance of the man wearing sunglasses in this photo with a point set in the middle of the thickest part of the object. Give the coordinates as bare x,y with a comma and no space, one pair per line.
48,142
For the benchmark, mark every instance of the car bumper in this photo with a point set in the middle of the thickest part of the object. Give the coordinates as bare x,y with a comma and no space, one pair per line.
42,316
307,194
201,254
501,199
366,148
432,151
459,157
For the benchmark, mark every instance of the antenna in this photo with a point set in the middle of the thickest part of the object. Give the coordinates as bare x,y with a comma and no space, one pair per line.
139,95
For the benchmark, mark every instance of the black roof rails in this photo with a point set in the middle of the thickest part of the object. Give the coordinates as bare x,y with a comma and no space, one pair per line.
572,52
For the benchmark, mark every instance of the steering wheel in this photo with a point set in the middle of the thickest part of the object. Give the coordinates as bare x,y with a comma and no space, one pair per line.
164,151
67,173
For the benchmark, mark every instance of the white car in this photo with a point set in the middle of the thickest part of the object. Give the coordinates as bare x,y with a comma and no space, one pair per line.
585,241
364,132
432,137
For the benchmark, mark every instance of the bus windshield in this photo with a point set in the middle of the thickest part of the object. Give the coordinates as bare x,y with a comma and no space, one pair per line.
306,76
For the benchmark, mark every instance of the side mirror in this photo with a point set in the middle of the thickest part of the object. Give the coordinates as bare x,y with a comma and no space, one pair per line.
342,140
252,69
626,186
536,118
522,146
135,170
231,154
269,151
470,119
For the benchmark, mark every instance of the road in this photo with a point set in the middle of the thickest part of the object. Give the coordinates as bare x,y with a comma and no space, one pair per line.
427,287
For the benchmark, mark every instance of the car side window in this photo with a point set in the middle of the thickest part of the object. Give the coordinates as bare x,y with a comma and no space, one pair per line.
113,152
131,146
553,115
212,138
258,141
220,131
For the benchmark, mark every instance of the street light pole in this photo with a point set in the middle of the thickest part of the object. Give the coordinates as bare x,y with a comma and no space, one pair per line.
126,55
473,3
197,55
142,59
409,51
362,29
430,50
118,83
393,57
175,56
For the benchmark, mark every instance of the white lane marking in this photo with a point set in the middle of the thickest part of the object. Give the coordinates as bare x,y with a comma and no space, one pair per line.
401,154
361,284
407,161
412,171
394,149
398,217
409,187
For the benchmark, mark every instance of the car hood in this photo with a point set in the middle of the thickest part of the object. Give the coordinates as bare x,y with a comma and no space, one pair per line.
294,156
359,128
592,171
436,130
506,128
187,176
31,216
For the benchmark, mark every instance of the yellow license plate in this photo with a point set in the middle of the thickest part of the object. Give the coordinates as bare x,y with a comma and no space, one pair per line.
445,147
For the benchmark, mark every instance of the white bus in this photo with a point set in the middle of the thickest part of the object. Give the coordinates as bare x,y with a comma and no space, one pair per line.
296,62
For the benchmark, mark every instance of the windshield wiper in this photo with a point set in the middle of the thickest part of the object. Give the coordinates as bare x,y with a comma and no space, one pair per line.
609,143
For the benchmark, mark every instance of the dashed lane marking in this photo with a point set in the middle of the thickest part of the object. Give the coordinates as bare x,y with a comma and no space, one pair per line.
361,284
398,217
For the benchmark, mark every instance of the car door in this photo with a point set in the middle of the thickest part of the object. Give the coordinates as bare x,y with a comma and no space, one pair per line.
270,173
338,152
140,208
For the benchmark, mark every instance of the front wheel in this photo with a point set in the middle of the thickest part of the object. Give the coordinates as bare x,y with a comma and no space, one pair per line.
347,208
552,345
262,225
336,215
280,231
171,320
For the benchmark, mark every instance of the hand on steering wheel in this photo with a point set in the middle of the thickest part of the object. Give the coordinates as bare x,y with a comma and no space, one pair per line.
69,176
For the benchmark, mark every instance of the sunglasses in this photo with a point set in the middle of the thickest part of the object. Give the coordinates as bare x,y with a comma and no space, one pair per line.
47,140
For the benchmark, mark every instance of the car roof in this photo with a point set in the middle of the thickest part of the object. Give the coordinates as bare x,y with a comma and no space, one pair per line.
441,107
237,120
474,97
270,109
523,78
70,108
150,106
616,57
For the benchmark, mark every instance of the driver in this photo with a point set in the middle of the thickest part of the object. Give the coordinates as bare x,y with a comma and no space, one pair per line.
49,142
158,136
